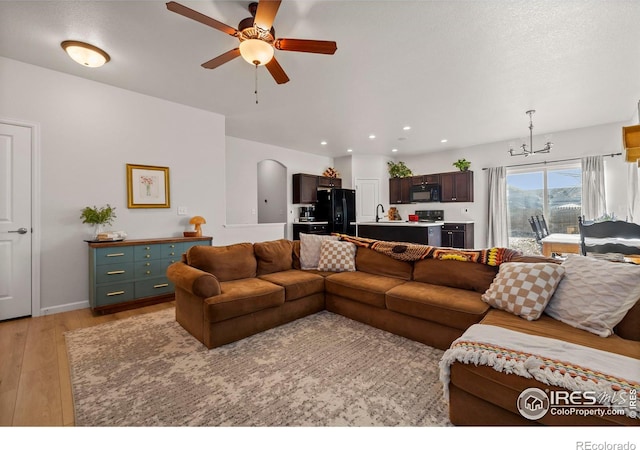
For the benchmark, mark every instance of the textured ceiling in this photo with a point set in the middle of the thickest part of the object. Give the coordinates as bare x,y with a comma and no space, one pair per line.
462,70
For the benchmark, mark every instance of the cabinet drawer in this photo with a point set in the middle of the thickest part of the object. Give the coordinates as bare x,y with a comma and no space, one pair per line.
110,273
114,293
145,252
173,250
149,269
153,286
453,227
111,255
317,228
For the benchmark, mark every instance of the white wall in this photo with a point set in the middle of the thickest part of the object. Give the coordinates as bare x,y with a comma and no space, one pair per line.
597,140
242,158
88,132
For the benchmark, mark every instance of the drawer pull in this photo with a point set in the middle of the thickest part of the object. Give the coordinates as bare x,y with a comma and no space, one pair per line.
115,272
147,248
147,256
161,285
172,246
172,253
147,264
111,294
148,272
111,255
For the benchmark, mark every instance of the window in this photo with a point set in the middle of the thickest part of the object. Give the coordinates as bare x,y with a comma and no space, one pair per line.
555,192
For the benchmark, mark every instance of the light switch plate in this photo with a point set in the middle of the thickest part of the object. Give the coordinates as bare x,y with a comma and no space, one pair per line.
182,210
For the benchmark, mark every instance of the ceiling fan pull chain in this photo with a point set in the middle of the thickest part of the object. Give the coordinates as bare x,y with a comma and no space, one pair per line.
256,91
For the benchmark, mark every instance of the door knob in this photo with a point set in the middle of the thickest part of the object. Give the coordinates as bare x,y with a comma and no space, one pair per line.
19,231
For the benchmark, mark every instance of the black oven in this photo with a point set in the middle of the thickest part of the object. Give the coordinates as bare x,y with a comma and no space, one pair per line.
425,193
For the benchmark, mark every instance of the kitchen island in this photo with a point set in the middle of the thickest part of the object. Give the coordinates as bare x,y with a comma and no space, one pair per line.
428,233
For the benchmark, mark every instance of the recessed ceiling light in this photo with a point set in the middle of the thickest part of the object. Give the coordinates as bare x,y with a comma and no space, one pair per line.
85,54
349,150
372,136
394,150
443,140
406,128
323,143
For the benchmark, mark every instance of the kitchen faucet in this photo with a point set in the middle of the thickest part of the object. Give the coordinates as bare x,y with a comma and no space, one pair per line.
379,206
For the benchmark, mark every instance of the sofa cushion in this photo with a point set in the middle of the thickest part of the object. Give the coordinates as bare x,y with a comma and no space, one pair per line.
456,308
456,274
296,283
337,256
274,256
310,249
361,286
226,263
241,297
595,295
524,289
549,327
376,263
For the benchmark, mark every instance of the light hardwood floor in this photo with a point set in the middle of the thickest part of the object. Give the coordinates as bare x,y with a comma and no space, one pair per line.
35,388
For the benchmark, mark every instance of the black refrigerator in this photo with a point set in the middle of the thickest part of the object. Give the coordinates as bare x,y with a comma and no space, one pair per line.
338,208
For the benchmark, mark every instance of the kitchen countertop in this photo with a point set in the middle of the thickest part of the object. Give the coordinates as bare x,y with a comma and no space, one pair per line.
459,221
402,223
311,223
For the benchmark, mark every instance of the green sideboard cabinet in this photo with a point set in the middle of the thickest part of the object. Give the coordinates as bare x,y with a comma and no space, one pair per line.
133,273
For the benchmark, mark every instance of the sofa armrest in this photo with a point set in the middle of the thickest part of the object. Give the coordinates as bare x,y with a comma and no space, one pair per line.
195,281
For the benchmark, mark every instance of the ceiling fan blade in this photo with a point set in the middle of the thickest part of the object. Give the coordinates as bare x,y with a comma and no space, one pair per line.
276,71
195,15
266,12
220,60
306,45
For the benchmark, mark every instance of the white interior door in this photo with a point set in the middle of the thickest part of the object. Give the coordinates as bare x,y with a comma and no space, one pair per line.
15,221
367,198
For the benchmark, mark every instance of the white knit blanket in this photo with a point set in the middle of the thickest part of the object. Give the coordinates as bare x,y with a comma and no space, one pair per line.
550,361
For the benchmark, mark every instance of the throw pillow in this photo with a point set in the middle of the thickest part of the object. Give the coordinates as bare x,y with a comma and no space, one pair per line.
524,289
310,249
595,295
337,256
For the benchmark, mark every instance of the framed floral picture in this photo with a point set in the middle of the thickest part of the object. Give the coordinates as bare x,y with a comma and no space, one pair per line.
147,186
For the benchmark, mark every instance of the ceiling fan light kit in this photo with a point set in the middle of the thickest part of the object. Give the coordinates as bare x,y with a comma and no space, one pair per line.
85,54
524,151
257,38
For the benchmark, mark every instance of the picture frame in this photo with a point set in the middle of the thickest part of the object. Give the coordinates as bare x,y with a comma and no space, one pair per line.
147,186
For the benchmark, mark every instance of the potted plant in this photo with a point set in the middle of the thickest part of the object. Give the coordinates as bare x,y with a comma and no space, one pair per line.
98,217
462,164
398,170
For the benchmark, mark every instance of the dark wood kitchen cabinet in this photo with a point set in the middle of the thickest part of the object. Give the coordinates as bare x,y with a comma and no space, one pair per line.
456,186
419,180
305,187
457,235
400,190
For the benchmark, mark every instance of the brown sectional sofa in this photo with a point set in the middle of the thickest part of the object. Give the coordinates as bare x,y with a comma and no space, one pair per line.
224,294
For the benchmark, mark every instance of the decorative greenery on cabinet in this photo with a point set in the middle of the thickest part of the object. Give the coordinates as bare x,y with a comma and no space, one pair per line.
398,170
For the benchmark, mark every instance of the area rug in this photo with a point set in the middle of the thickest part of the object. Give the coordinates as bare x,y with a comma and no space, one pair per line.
322,370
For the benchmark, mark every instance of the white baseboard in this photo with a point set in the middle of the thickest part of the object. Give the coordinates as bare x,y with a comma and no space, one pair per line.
63,308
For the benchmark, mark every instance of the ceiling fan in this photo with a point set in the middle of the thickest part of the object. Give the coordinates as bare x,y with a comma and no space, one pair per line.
257,38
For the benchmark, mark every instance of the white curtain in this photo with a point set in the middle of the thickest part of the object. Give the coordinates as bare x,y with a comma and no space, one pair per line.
594,201
498,234
633,193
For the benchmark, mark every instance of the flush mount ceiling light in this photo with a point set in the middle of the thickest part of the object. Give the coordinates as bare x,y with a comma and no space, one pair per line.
530,151
85,54
406,128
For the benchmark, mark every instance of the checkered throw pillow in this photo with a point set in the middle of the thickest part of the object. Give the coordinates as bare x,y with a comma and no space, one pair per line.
337,256
524,289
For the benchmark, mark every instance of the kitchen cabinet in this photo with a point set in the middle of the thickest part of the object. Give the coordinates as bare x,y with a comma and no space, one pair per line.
400,190
456,186
132,273
309,228
329,182
305,187
457,235
419,180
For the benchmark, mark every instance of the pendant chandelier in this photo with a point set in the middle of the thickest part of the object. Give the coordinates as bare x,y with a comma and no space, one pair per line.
526,151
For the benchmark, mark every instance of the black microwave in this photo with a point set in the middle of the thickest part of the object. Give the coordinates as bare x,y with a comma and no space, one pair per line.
425,193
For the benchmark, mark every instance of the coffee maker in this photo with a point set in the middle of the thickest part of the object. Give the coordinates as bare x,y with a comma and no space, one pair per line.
307,214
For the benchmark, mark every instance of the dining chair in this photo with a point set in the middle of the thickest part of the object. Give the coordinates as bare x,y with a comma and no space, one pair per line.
611,236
